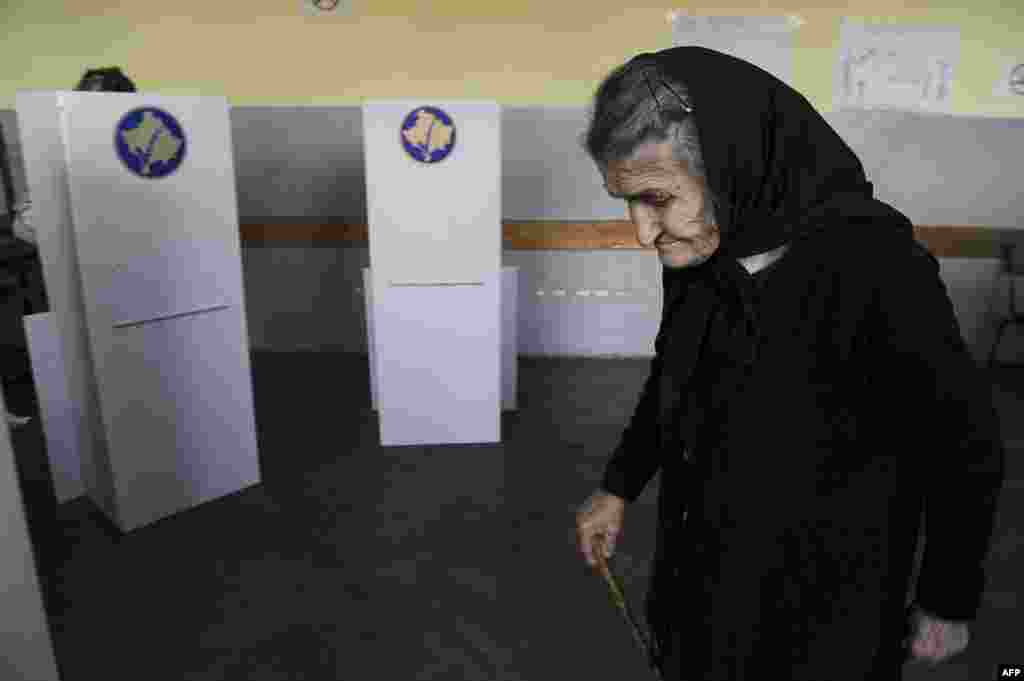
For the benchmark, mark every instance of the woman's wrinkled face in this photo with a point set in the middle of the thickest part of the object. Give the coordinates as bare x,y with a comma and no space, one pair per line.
665,203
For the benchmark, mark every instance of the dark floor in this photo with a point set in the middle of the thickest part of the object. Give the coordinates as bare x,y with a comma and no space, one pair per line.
353,562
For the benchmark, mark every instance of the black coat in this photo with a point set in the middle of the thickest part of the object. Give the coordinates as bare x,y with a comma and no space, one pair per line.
804,486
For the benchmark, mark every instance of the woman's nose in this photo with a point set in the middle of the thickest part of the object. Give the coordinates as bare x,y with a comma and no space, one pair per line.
647,233
648,224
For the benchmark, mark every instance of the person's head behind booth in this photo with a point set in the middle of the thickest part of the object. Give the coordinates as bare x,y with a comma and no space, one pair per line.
110,79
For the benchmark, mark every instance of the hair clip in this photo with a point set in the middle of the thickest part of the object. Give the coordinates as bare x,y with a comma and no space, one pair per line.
687,107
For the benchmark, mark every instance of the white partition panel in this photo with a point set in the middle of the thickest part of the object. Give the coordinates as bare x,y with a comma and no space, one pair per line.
433,222
438,363
433,190
26,645
60,415
509,337
159,264
42,144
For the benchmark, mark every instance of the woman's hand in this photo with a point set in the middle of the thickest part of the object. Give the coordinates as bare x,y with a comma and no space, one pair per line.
599,525
934,640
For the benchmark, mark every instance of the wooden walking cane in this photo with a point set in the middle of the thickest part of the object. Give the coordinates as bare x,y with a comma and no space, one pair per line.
647,645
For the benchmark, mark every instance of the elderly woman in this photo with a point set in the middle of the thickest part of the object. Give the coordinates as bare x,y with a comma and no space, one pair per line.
810,393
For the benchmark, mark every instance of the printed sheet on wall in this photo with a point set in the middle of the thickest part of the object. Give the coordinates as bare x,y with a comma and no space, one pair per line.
902,67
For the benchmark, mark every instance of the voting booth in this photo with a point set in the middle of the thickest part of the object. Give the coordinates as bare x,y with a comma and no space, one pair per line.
435,300
138,235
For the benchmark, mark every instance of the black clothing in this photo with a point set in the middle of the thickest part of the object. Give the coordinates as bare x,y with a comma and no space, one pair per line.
801,417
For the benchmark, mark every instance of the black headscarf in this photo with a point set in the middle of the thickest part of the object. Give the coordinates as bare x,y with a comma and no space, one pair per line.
781,174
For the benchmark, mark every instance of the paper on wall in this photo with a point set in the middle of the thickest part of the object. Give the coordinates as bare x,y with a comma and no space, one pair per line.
896,67
764,41
1011,78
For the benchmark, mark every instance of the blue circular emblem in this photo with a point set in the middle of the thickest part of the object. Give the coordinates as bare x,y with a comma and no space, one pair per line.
150,142
428,134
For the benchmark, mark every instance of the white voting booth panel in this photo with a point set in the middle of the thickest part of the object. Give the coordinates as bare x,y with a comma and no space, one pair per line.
509,338
145,277
435,280
433,223
26,645
60,415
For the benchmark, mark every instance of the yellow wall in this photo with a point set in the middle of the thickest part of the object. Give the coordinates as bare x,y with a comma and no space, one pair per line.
530,52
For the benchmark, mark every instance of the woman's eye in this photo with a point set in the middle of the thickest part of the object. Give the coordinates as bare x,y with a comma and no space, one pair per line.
655,202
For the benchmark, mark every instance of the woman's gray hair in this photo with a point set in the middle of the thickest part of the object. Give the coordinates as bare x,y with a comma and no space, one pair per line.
640,102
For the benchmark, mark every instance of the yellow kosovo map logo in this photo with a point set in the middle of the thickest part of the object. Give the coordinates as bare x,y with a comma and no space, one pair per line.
150,142
428,134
